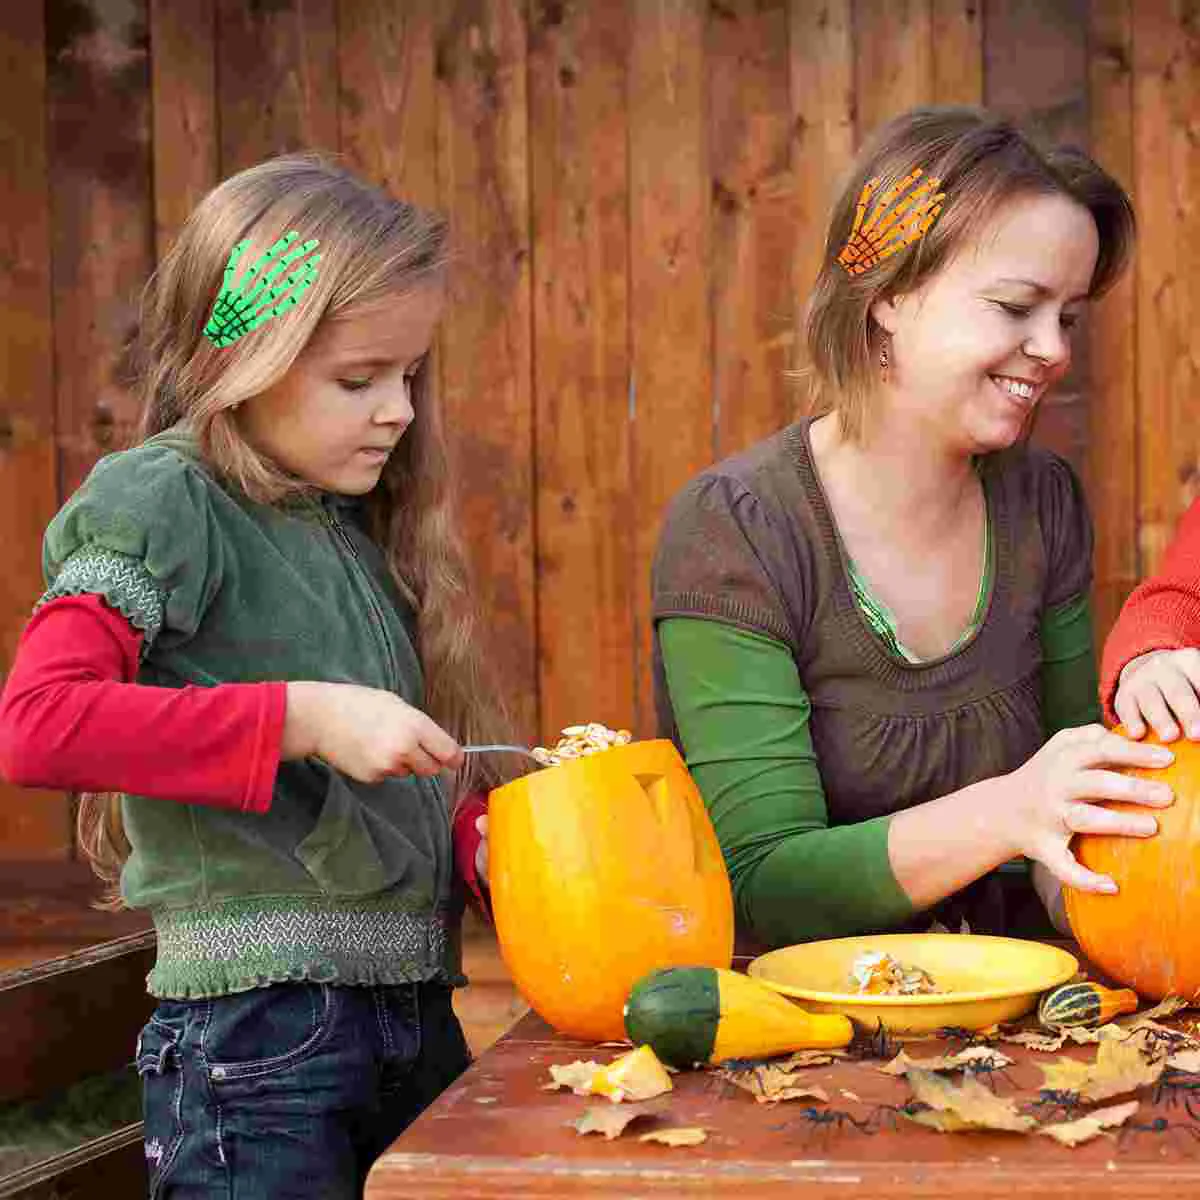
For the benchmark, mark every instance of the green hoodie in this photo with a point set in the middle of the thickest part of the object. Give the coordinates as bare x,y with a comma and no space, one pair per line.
339,881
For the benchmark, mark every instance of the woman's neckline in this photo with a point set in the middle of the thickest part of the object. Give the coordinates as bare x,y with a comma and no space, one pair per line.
853,620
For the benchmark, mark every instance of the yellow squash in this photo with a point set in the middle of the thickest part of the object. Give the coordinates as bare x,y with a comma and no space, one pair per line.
690,1015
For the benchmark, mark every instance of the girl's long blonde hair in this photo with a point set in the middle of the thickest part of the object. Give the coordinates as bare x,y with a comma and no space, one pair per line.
372,247
984,162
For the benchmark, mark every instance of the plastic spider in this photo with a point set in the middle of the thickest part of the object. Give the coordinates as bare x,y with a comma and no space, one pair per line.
1175,1087
966,1038
1160,1125
889,1112
988,1069
879,1044
827,1119
1056,1102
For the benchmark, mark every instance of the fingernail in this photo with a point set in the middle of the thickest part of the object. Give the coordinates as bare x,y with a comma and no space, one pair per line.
1163,754
1109,888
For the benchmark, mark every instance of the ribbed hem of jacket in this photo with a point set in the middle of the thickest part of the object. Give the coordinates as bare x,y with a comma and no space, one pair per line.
250,942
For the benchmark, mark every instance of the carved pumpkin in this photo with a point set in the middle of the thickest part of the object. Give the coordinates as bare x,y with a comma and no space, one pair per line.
1145,936
602,870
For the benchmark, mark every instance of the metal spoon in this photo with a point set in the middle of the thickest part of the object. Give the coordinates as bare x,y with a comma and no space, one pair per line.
501,747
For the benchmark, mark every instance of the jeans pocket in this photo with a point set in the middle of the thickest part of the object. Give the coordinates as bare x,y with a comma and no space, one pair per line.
267,1031
160,1066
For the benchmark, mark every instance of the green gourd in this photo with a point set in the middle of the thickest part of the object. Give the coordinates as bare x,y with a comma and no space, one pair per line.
1084,1004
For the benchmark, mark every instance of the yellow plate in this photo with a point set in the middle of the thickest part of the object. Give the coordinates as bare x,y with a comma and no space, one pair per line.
985,979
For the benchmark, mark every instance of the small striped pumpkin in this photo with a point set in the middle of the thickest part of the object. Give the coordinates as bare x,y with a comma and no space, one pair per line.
1084,1004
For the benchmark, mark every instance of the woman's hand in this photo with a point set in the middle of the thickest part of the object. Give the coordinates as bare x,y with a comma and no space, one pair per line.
1159,689
367,733
1056,793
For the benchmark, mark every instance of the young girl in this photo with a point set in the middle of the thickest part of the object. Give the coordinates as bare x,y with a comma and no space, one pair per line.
1151,667
257,629
872,636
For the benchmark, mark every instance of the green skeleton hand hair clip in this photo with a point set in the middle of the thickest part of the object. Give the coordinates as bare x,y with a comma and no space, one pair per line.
241,307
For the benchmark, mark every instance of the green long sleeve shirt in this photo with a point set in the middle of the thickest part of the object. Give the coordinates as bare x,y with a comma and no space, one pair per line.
742,715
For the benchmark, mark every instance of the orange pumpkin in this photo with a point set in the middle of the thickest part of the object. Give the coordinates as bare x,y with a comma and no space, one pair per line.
1145,935
602,870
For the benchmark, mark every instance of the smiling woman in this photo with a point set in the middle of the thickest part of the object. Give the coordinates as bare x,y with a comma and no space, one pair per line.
872,633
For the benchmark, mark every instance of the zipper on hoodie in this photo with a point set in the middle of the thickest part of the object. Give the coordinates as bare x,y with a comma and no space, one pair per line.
368,589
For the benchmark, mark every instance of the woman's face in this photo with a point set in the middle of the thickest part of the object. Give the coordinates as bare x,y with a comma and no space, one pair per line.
975,348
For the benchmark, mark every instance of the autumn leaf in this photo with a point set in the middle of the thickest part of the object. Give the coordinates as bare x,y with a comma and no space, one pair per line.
993,1059
1185,1060
608,1119
768,1084
1112,1032
1118,1068
637,1075
1032,1040
1164,1008
678,1136
1083,1129
809,1058
968,1105
576,1075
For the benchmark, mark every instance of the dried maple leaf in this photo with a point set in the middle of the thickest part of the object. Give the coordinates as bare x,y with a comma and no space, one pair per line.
768,1083
809,1058
993,1059
691,1135
637,1075
1083,1129
1164,1008
968,1105
1032,1040
608,1119
1185,1060
1112,1032
577,1076
1118,1068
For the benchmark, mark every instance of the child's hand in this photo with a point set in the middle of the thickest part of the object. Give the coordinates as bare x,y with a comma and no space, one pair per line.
367,733
1159,689
481,854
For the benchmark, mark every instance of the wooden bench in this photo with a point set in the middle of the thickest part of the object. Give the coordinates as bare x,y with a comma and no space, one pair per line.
63,1020
73,999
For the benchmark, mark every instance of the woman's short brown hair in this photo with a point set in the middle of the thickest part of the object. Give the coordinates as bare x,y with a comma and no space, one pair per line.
983,161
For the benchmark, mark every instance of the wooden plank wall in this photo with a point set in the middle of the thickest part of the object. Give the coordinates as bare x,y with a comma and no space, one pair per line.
638,191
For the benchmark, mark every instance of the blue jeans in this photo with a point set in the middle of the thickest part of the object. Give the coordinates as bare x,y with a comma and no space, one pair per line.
289,1090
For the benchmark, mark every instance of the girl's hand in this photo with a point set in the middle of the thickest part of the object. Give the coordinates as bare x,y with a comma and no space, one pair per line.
1158,689
481,854
1056,791
367,733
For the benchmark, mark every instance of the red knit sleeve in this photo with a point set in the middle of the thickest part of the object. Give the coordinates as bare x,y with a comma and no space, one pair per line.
466,843
1162,612
72,718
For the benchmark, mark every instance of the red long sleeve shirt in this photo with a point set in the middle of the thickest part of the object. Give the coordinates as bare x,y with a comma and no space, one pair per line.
72,718
1162,612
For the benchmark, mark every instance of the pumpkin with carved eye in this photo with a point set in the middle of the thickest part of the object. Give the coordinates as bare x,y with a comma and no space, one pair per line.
604,869
1145,936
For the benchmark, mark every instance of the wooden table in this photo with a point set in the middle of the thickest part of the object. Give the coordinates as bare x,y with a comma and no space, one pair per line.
496,1132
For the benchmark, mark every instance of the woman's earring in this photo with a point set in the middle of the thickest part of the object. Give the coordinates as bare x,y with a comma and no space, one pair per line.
883,358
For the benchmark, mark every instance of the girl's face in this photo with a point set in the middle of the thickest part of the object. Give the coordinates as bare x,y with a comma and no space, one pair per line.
338,413
975,348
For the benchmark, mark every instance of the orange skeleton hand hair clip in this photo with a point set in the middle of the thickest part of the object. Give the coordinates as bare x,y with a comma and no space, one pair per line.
886,230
